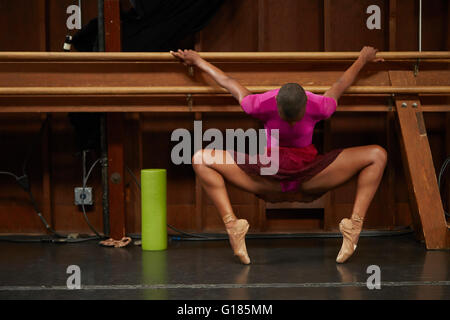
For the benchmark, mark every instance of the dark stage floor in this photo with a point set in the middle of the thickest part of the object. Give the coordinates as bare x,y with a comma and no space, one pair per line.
281,269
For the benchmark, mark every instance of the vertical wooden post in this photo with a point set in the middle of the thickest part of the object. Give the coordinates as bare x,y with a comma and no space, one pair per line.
115,131
46,172
328,213
43,18
448,26
424,195
392,25
390,170
198,193
447,154
261,27
327,28
112,26
329,217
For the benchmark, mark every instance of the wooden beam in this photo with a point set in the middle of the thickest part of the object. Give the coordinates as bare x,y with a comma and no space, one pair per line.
168,90
112,26
47,105
329,216
198,194
424,193
448,27
261,25
43,24
389,196
115,131
47,208
392,25
213,56
327,27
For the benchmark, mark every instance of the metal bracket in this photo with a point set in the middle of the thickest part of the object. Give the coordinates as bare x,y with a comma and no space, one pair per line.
191,71
190,101
116,178
391,102
416,68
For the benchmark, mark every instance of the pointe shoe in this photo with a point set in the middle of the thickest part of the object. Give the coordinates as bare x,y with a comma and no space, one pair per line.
350,230
236,232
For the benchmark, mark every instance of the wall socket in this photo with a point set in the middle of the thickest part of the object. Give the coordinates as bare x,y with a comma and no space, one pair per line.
83,194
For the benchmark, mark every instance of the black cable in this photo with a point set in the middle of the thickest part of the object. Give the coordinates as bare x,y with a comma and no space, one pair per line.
306,235
85,180
9,174
40,239
209,237
24,181
441,173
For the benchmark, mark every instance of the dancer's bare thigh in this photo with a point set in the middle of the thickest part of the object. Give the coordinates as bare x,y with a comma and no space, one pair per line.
223,162
347,164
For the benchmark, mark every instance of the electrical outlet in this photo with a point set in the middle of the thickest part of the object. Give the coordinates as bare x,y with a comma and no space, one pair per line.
83,196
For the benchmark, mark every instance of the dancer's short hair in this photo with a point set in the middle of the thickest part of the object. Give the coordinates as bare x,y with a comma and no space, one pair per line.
291,101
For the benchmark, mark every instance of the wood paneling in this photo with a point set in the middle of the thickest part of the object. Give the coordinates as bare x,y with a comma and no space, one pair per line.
290,25
23,25
234,28
347,25
57,13
240,25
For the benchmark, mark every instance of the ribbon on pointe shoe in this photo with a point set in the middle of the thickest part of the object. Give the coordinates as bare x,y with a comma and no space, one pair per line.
116,243
229,218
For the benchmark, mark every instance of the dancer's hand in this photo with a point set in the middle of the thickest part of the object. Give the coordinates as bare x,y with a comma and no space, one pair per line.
369,54
192,58
187,57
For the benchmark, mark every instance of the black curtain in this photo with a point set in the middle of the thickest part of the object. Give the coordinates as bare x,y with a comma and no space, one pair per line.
154,25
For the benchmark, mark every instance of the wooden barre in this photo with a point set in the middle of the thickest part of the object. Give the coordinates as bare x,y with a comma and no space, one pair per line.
5,91
214,56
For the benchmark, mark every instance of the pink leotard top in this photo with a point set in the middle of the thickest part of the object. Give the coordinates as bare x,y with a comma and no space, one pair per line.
264,107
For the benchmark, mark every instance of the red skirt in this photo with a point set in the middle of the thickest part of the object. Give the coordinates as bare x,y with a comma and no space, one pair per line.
296,165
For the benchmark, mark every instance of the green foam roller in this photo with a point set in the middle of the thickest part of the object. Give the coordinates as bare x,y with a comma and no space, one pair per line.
154,218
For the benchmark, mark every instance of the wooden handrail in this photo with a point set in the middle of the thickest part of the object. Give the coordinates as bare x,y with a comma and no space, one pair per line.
5,91
442,56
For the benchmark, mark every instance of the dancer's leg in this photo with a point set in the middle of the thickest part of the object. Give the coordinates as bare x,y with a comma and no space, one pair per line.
213,167
369,162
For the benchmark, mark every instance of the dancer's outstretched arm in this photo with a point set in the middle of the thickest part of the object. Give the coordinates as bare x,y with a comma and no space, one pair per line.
192,58
367,54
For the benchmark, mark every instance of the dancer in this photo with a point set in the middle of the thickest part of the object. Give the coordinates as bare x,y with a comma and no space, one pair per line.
303,174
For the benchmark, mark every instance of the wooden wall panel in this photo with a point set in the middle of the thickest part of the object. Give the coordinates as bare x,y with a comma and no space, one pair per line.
16,211
156,148
234,28
407,25
57,12
434,26
66,175
345,22
23,25
17,215
240,25
290,25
